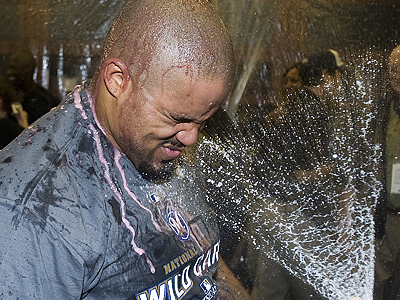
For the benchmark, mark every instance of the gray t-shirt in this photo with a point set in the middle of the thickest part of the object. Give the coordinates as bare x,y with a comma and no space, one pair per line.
78,221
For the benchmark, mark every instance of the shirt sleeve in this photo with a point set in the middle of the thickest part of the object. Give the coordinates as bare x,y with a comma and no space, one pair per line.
35,262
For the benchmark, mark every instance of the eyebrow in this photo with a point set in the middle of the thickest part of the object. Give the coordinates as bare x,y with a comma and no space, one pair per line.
181,118
185,119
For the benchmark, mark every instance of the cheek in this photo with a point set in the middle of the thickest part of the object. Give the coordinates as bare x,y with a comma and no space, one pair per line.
128,122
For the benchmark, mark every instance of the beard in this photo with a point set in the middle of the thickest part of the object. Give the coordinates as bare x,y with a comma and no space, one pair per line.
145,163
154,173
161,171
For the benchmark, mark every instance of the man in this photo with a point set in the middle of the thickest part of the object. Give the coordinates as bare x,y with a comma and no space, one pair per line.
304,181
387,281
11,123
92,203
292,80
305,124
291,86
36,100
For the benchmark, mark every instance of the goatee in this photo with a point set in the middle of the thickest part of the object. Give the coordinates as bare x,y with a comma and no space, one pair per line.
156,174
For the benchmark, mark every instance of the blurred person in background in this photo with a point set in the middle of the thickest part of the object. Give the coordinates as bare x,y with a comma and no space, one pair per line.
306,174
13,119
36,100
387,281
292,80
291,85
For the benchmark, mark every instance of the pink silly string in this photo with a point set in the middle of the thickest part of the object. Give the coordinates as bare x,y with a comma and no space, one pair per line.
102,159
126,222
117,157
77,102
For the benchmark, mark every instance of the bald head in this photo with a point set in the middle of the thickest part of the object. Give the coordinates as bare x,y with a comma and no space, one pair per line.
166,67
394,69
159,35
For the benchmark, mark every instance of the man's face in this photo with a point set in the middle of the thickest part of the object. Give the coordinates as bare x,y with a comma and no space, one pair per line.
155,124
19,70
394,70
13,73
292,81
292,78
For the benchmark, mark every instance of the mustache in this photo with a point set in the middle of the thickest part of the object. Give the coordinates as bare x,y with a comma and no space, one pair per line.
174,142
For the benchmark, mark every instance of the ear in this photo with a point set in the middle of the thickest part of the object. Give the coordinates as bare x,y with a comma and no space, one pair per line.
116,76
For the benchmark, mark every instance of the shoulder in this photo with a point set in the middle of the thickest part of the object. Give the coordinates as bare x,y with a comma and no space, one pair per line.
40,149
48,175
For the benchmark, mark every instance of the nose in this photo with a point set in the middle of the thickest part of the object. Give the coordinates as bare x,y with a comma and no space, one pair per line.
188,135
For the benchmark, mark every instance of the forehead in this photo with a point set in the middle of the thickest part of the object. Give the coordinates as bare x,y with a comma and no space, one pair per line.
182,92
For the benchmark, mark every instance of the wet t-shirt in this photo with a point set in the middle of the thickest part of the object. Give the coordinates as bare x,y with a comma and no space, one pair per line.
78,221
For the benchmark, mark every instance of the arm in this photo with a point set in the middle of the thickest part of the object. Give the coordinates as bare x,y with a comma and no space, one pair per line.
229,287
22,118
35,263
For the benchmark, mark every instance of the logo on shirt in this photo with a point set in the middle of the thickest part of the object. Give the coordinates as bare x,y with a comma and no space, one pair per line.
178,224
209,289
206,285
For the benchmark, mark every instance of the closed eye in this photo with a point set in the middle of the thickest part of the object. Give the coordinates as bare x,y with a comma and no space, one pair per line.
178,119
182,119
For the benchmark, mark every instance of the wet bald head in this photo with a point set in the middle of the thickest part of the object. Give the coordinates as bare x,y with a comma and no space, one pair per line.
155,36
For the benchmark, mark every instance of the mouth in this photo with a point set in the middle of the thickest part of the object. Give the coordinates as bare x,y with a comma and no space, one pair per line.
171,152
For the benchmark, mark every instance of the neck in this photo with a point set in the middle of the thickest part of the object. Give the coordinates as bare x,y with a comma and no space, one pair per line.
27,86
100,105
